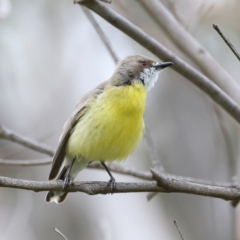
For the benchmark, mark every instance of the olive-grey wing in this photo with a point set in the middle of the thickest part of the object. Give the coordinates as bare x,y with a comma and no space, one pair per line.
80,110
59,155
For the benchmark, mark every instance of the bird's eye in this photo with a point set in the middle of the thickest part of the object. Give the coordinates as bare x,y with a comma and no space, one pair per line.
143,63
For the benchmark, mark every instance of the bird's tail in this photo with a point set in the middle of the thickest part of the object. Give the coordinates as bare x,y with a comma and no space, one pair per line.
60,196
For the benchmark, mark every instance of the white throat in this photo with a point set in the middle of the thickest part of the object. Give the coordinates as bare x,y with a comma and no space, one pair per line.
149,76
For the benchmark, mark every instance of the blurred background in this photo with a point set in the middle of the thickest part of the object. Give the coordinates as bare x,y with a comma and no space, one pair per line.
50,55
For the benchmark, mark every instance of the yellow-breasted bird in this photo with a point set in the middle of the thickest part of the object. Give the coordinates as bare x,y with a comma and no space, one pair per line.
107,123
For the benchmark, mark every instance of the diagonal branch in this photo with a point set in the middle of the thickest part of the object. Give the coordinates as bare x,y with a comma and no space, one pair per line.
175,185
101,34
61,234
8,134
156,161
227,41
160,51
117,168
191,47
179,231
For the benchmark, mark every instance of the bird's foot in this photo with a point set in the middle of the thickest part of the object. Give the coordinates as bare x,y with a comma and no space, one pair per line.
66,182
67,178
112,184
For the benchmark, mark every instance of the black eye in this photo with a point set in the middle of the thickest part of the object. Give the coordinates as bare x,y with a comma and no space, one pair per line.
143,63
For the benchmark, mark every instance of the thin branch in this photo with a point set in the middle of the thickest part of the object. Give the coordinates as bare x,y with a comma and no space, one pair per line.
10,135
227,41
101,34
191,47
175,223
156,161
61,234
159,50
26,163
176,185
117,168
93,188
90,188
150,196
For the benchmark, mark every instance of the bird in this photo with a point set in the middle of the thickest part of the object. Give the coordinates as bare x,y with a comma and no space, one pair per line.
106,124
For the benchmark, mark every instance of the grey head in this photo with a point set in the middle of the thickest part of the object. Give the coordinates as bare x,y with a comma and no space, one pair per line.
138,68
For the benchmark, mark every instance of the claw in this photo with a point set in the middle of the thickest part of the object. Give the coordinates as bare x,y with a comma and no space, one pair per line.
112,181
112,184
67,178
66,182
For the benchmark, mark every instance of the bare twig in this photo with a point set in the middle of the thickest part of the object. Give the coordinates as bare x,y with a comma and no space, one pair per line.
175,185
28,163
155,47
192,48
8,134
61,234
101,34
175,223
117,168
163,184
150,196
90,188
156,161
227,41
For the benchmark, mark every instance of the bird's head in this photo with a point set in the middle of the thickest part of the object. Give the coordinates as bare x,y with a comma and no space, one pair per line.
140,69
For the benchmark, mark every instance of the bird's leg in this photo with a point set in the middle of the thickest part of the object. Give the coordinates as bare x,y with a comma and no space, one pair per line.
112,181
67,178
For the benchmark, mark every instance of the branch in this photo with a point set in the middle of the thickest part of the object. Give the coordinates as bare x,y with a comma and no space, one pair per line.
8,134
160,51
90,188
117,168
191,47
101,34
26,163
227,41
93,188
61,234
175,223
175,185
156,161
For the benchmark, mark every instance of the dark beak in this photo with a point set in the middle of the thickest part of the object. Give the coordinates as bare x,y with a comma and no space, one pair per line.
163,65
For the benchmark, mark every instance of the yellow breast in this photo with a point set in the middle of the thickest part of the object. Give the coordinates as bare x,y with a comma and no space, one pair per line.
111,126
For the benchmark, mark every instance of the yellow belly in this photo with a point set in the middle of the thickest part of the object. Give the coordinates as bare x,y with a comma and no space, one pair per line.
111,127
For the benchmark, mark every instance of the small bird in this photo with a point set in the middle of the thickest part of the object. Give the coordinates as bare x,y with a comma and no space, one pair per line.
107,123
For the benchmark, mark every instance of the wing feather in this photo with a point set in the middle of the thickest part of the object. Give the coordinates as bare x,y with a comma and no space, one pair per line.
59,155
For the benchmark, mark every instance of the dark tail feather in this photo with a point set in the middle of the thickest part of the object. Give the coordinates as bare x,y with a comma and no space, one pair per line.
54,197
57,196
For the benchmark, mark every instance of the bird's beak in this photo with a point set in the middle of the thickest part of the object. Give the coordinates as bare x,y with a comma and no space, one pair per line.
163,65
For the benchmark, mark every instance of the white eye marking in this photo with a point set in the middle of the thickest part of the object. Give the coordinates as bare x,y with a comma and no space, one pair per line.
149,76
